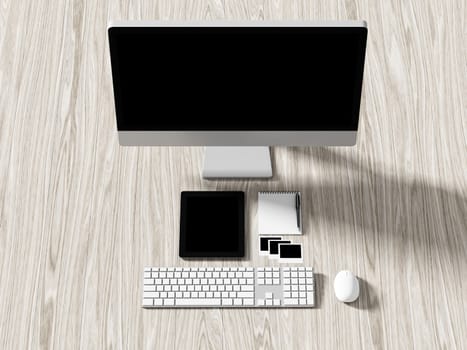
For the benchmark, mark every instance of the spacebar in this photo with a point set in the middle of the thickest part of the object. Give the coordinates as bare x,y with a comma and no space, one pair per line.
198,302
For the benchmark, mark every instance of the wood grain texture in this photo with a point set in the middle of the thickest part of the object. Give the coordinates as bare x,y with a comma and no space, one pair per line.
81,216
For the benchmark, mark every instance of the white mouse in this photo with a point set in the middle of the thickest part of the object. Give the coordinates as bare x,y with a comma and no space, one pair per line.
346,286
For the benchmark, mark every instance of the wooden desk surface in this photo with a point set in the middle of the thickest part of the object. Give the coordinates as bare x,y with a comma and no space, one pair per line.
81,216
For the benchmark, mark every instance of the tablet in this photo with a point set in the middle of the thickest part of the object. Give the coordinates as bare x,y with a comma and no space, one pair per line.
212,224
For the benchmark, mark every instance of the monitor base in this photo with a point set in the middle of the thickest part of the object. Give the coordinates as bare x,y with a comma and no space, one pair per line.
237,162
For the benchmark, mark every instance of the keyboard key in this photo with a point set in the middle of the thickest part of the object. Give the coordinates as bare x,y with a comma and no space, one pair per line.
269,302
267,295
245,295
227,302
149,281
247,288
198,302
237,302
148,302
150,288
249,302
290,301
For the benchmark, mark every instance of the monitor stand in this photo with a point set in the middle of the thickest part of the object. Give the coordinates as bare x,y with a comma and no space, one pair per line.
237,162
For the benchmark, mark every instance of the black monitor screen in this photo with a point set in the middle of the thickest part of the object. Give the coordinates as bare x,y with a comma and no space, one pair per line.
234,78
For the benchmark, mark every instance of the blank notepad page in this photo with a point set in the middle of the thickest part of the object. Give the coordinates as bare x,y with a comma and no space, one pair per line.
277,213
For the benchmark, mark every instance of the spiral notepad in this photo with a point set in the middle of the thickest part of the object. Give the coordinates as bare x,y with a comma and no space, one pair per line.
279,213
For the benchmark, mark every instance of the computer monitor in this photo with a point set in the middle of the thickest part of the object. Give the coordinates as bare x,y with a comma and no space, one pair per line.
240,86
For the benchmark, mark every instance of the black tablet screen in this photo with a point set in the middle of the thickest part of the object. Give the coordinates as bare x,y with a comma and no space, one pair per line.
212,224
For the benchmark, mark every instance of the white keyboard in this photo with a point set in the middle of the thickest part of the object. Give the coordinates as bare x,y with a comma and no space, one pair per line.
168,287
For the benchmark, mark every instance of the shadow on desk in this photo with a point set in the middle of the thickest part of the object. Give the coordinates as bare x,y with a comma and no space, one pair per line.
404,213
368,299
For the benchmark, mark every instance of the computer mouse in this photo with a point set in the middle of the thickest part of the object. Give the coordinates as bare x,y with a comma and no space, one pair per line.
346,286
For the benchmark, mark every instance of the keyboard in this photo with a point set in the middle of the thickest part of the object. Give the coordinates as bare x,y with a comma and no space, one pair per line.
228,287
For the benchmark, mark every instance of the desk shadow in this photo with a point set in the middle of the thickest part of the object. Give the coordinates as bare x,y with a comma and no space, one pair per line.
405,213
368,299
320,285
